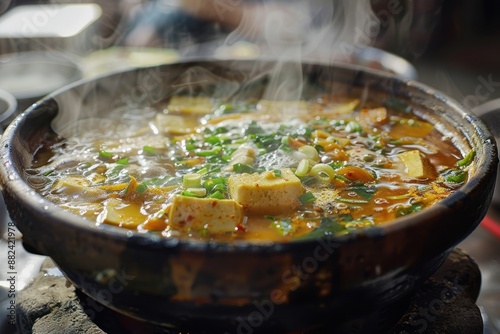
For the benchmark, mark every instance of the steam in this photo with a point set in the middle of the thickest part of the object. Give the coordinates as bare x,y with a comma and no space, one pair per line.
296,31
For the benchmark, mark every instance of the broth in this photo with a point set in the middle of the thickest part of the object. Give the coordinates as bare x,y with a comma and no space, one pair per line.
259,171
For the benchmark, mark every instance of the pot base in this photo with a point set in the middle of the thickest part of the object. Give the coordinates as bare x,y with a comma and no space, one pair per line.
445,303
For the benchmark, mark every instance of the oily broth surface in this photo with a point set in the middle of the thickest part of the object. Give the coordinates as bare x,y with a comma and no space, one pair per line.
137,161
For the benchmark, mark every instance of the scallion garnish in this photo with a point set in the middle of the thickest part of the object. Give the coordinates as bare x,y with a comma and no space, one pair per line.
105,155
307,198
123,161
352,201
149,150
243,168
141,188
455,176
191,181
208,153
217,195
467,160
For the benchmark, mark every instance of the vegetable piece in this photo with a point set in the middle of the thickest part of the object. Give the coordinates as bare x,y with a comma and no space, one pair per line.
307,198
149,150
141,188
123,161
417,165
455,176
259,194
322,172
467,160
354,173
310,152
191,181
243,168
197,192
302,168
214,215
103,155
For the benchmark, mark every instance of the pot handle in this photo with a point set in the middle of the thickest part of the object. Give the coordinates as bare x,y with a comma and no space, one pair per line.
489,113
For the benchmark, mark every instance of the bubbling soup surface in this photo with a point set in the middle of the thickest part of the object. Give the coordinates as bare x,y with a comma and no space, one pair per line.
259,171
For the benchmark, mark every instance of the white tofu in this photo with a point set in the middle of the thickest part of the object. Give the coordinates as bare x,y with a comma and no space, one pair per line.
266,193
197,105
417,165
175,124
118,213
76,185
214,215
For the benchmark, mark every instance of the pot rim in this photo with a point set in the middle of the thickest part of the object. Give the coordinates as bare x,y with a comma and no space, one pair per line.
14,182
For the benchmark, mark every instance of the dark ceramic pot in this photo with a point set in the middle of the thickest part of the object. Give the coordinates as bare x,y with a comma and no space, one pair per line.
240,287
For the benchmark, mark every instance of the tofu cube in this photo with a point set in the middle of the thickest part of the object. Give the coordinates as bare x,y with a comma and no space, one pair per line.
214,215
266,193
76,185
417,165
197,105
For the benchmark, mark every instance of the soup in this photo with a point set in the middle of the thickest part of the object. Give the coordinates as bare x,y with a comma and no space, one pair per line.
259,171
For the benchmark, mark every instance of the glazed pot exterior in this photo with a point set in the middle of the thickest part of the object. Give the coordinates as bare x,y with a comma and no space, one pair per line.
241,286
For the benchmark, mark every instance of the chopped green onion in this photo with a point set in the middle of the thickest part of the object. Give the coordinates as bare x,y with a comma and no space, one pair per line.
285,140
456,176
406,210
342,178
352,201
336,164
307,198
123,161
322,172
277,172
149,150
207,153
354,126
310,152
188,194
141,188
243,168
285,148
302,168
191,181
191,147
202,171
217,195
467,160
198,192
363,191
398,197
253,128
105,155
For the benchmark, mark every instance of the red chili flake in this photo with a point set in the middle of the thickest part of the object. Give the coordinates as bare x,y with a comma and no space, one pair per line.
214,203
189,218
240,228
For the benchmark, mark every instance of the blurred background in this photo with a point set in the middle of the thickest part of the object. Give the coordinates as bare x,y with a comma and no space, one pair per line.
451,45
